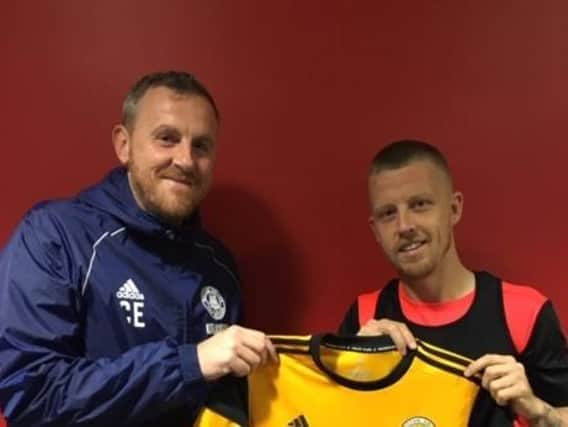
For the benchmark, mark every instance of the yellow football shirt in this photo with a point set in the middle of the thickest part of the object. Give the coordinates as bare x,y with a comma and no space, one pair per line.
329,380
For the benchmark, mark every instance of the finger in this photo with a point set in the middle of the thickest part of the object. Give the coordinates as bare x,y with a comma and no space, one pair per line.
503,396
368,332
240,368
262,352
252,334
378,327
398,332
240,334
254,340
398,339
271,350
408,337
494,372
481,364
263,357
517,394
477,366
372,327
260,344
501,383
249,356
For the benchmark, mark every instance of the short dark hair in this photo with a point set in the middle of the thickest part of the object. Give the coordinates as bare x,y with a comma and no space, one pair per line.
179,81
400,153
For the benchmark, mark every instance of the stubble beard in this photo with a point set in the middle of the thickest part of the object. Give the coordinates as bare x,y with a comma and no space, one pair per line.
424,267
170,208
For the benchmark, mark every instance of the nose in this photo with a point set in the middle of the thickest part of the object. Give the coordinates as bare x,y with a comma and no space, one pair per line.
405,223
183,155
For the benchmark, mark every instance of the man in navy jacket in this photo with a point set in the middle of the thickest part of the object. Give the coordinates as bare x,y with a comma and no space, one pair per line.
116,305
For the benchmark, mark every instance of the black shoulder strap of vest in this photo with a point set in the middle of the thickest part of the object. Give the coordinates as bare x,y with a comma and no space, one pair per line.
368,304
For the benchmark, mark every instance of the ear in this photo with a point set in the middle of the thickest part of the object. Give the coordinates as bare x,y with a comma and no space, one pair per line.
374,229
121,143
456,206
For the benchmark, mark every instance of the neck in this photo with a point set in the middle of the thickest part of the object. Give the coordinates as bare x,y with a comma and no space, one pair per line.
449,281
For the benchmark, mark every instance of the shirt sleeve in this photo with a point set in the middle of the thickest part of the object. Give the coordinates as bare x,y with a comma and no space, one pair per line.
546,358
350,323
45,378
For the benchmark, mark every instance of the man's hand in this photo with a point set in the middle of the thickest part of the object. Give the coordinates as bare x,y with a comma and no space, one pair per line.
399,333
505,379
235,350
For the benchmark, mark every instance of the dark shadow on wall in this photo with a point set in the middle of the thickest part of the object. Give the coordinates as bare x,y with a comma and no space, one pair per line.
270,267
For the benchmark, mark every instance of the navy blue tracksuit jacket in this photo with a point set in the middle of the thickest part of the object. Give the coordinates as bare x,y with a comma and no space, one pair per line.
101,307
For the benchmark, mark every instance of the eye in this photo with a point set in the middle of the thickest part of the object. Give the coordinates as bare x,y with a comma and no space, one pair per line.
168,138
202,145
386,214
420,204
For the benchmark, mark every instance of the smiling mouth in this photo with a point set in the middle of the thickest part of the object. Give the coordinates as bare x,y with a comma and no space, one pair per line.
412,246
187,183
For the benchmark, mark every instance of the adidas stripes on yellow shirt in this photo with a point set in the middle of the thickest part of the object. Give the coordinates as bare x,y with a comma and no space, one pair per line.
329,380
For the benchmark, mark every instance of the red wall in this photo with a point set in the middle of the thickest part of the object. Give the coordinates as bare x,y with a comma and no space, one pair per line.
308,92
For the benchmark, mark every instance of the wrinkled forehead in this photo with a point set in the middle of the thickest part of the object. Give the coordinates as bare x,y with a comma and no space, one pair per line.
165,106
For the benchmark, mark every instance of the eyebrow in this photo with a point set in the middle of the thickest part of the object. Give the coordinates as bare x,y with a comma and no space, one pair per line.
379,209
203,138
165,128
421,196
